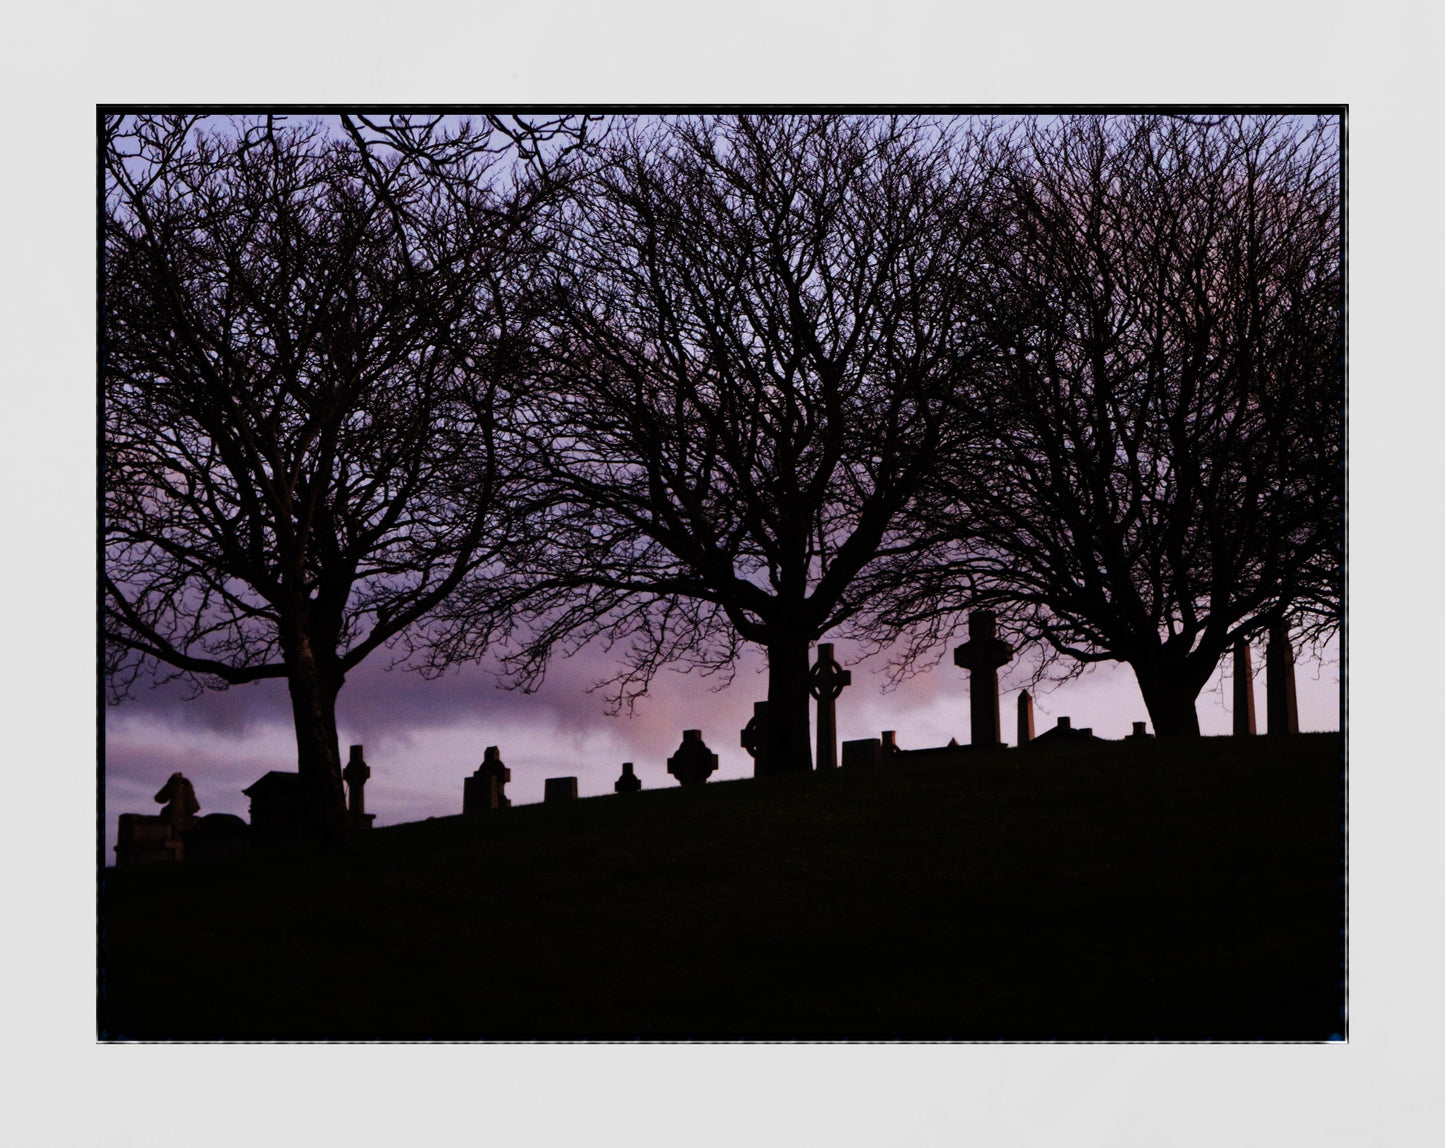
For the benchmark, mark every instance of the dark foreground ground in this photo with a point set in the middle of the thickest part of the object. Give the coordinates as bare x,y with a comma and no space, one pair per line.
1135,890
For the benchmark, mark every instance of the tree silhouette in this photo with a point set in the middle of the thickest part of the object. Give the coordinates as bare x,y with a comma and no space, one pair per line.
306,442
1167,402
758,326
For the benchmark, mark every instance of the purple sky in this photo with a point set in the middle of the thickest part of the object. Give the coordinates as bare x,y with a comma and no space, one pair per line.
422,737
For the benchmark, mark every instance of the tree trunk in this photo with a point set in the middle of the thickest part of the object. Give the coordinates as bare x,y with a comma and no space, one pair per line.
1169,693
785,734
313,688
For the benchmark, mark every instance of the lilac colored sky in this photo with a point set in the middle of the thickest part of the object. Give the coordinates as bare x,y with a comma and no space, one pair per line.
422,737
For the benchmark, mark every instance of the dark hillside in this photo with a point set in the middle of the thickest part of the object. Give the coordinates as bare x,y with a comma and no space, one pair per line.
1135,890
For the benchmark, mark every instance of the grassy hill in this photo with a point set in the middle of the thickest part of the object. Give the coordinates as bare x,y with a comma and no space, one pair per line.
1125,891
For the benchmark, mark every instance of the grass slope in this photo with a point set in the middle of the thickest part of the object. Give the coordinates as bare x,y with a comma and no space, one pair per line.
1136,890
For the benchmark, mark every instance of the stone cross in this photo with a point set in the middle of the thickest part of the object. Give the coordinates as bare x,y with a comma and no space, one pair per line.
981,656
1281,711
1243,690
355,775
752,738
693,763
1026,718
629,782
825,682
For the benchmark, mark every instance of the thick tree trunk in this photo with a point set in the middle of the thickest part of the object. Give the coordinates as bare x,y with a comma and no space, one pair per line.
313,688
785,734
1170,692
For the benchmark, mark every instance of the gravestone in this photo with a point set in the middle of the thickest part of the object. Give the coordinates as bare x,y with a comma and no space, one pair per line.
1026,718
862,751
752,738
559,789
142,839
1139,730
1243,691
693,763
981,656
825,682
276,808
1281,711
890,743
486,788
629,782
355,775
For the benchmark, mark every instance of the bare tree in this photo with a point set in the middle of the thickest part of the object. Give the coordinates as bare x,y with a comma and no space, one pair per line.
306,444
1166,473
759,324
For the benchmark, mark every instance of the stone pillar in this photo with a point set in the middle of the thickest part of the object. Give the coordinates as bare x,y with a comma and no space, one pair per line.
825,682
629,782
752,738
693,763
355,775
1281,712
981,656
890,743
1026,718
1243,691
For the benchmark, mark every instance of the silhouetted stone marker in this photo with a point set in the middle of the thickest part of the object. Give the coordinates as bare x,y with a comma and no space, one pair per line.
890,743
143,839
825,682
1026,718
629,782
276,808
981,656
1243,690
1281,711
486,788
559,789
862,751
752,738
1139,730
693,763
355,775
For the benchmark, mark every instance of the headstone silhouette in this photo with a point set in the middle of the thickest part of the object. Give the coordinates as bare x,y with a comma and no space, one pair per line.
752,738
1243,690
862,751
693,763
355,775
1281,711
629,782
1026,718
559,789
981,656
486,788
825,682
